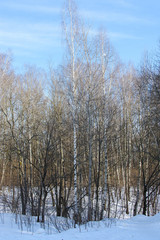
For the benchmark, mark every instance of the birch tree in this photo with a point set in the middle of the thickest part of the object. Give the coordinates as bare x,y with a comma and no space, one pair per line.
71,26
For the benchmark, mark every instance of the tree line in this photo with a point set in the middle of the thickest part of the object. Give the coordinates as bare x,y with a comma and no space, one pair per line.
84,134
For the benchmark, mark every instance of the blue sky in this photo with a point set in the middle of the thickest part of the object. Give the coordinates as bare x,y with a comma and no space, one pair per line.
31,29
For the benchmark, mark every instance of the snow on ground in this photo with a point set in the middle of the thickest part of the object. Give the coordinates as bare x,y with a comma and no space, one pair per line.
136,228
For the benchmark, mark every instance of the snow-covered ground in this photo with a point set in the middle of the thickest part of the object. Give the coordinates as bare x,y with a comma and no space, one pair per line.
136,228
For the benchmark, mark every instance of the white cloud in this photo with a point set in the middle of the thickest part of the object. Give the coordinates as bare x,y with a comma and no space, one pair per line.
125,3
31,36
30,7
114,17
117,35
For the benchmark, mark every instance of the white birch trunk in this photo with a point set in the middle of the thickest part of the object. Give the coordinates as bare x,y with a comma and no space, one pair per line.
90,164
105,134
72,46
